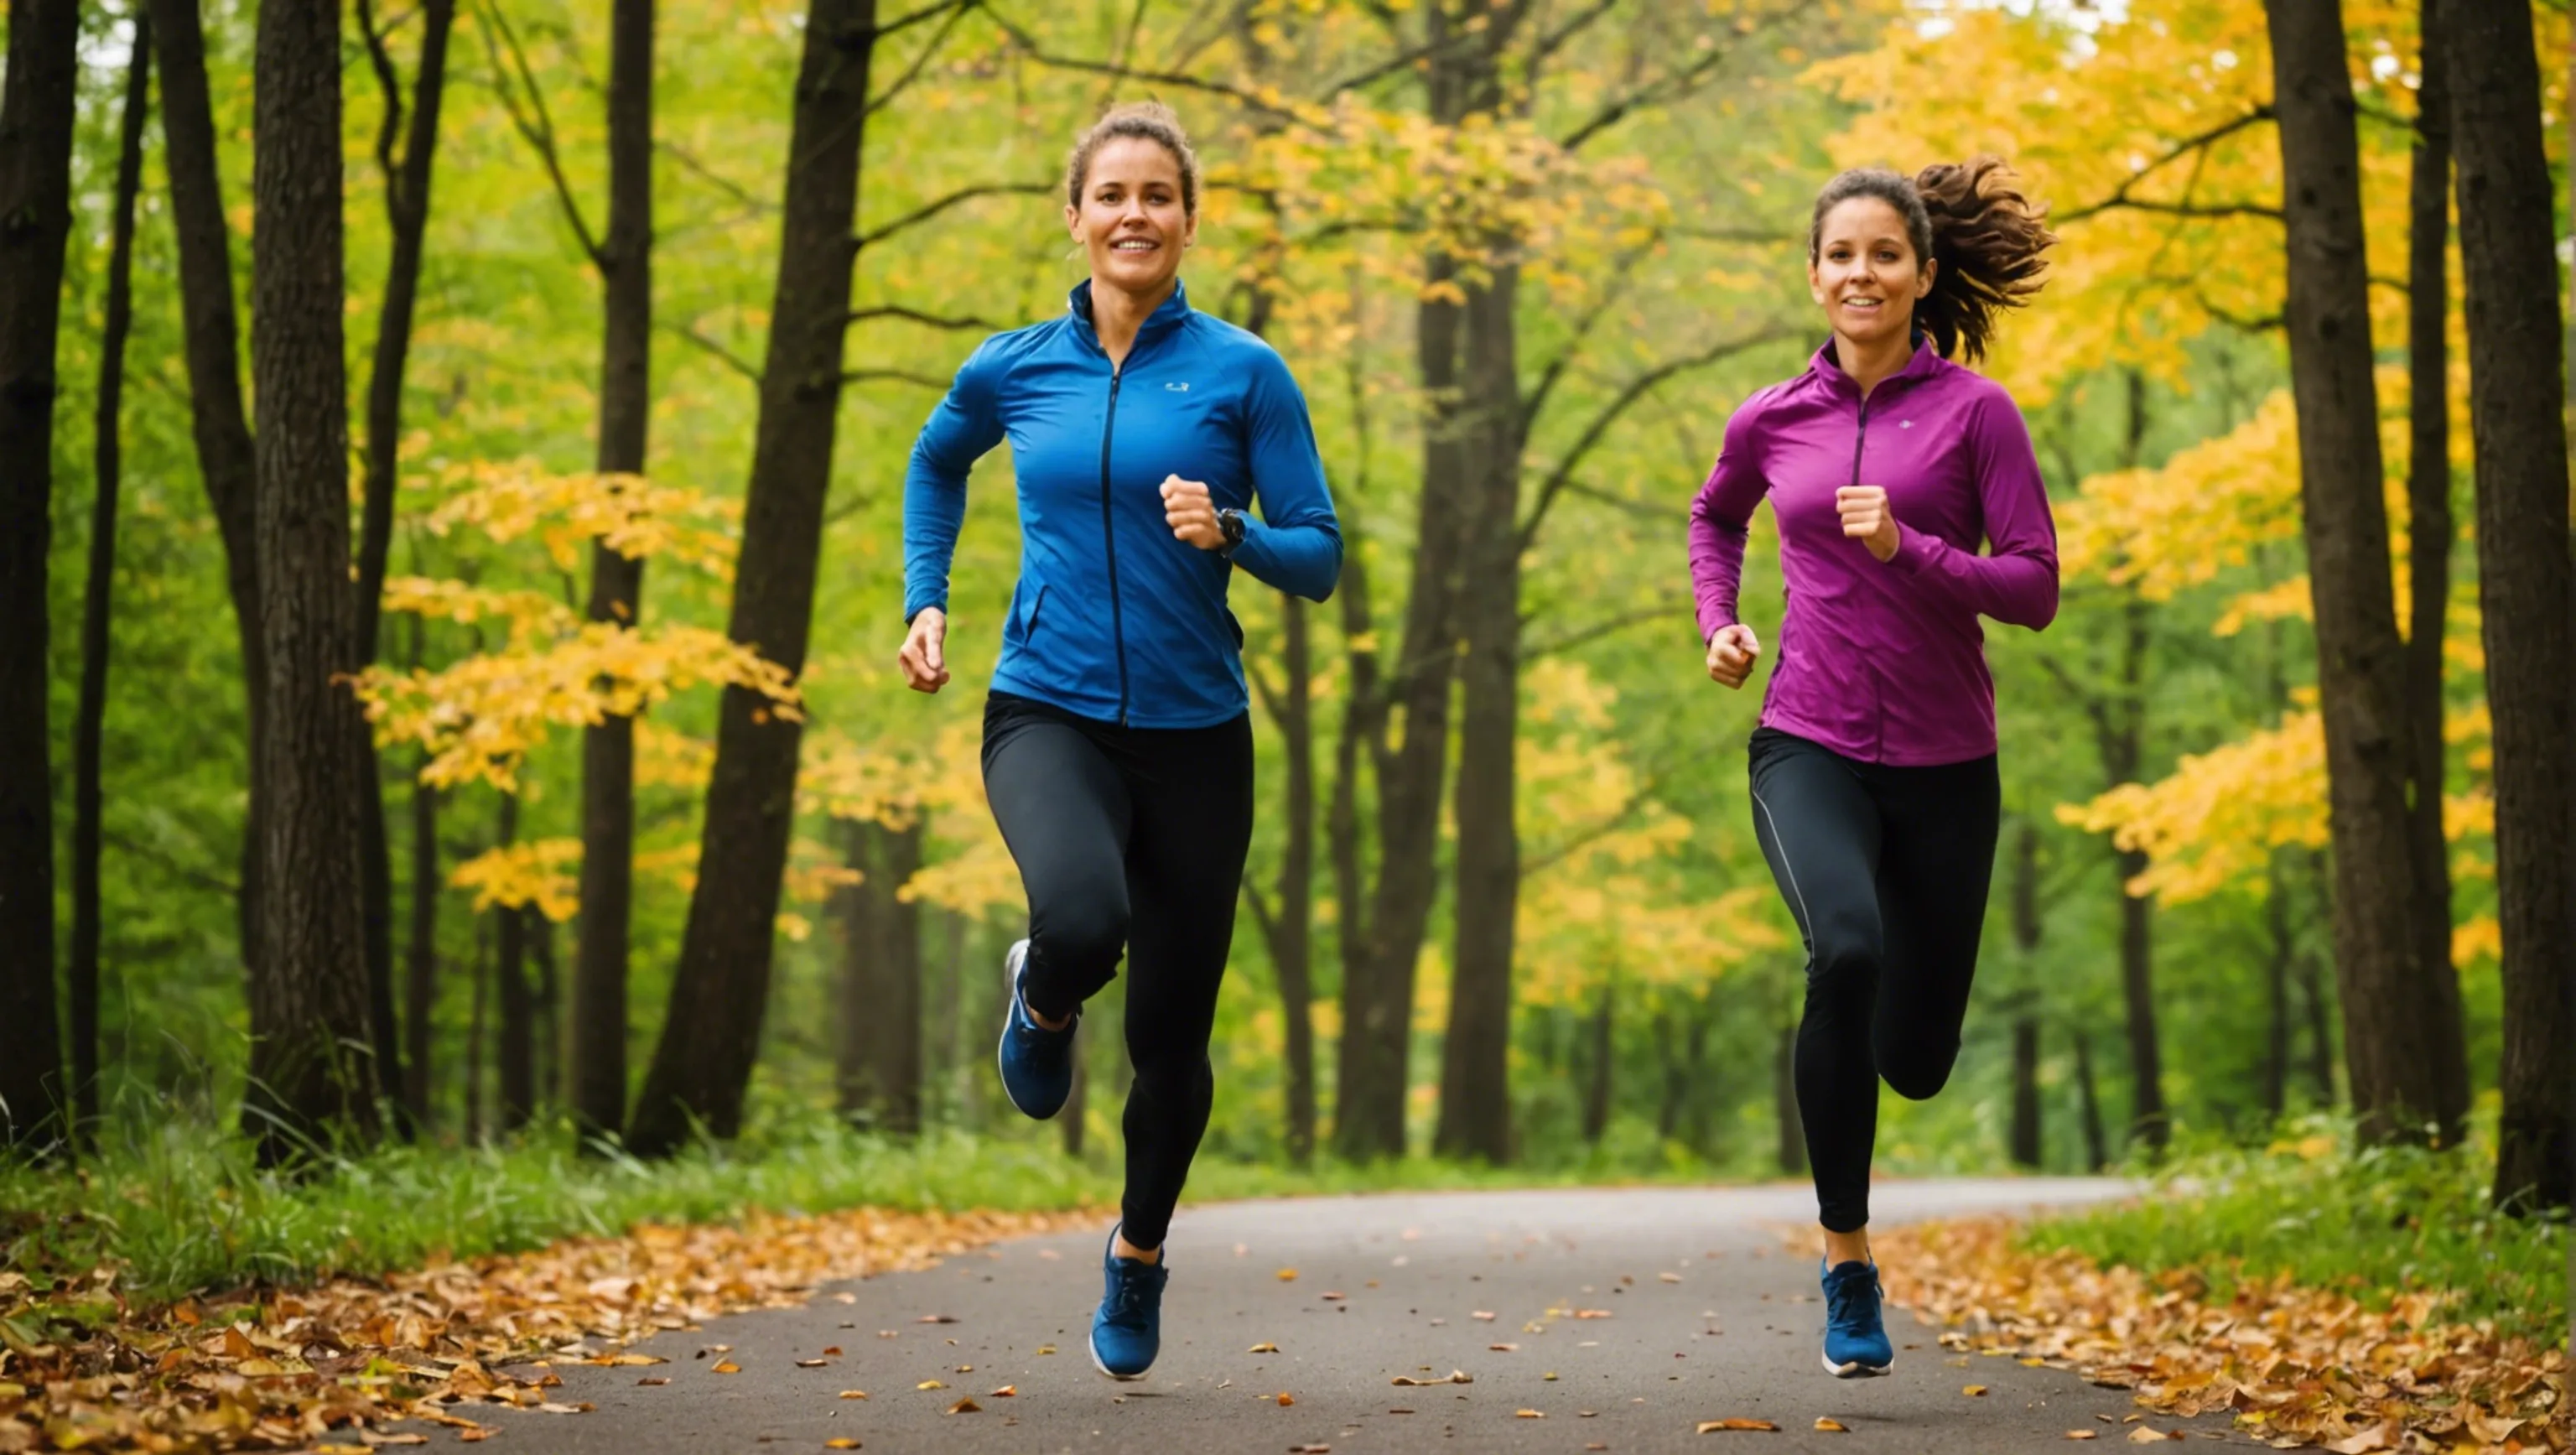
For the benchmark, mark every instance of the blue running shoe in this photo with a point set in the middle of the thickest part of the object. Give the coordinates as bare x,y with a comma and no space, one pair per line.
1856,1344
1127,1331
1037,1063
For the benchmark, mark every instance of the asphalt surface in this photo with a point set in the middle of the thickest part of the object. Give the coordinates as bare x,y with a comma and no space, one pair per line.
1708,1316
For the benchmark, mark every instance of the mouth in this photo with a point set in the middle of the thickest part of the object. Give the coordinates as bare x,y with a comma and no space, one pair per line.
1135,245
1863,305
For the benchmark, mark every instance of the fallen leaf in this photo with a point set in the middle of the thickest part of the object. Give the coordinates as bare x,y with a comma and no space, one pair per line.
1264,1347
1310,1450
654,1379
1711,1427
1285,1399
1670,1277
930,1384
1287,1275
812,1363
1046,1348
965,1406
1528,1415
1832,1426
2084,1434
841,1442
1504,1348
1974,1391
936,1319
727,1366
1330,1297
1593,1313
854,1394
1482,1314
2382,1436
1005,1392
2149,1435
832,1351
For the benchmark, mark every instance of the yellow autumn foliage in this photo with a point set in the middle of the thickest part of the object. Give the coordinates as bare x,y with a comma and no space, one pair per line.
507,499
543,873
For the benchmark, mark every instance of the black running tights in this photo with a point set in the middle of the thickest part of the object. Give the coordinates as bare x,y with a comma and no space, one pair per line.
1129,840
1886,870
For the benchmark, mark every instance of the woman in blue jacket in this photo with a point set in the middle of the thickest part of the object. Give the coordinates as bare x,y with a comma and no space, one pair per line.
1118,737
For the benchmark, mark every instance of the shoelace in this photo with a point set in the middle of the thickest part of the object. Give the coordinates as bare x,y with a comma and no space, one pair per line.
1843,1298
1127,1300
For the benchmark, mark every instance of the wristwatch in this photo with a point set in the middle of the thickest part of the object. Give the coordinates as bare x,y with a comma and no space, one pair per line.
1230,521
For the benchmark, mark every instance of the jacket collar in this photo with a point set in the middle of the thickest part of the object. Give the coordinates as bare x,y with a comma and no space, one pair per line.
1828,370
1173,311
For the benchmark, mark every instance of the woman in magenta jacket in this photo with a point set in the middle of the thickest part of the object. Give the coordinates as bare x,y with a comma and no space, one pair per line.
1875,795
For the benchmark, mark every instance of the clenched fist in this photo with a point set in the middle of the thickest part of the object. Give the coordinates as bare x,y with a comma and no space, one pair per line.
924,657
1731,654
1191,514
1866,518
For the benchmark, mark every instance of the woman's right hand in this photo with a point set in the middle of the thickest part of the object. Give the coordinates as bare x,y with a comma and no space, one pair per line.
1731,654
924,657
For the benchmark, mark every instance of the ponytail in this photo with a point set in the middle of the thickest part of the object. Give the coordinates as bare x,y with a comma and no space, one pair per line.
1972,219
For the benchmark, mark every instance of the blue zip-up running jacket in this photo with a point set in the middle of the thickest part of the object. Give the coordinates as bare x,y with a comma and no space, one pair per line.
1113,618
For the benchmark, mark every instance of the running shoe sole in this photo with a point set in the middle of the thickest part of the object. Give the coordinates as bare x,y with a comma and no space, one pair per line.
1103,1368
1857,1369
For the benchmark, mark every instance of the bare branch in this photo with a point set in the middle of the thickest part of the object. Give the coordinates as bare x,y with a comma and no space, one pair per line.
1621,273
1670,87
1663,610
956,13
391,85
1175,79
2188,146
725,356
924,13
1262,688
930,210
931,320
1636,389
689,163
534,124
2181,209
1541,863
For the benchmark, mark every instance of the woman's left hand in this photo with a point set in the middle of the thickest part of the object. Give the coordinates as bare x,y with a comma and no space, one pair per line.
1867,519
1191,514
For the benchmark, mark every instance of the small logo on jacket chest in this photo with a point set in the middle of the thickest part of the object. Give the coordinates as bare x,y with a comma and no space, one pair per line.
1178,387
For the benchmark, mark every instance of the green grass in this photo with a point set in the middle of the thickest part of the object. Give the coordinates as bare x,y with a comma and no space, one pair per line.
2369,1221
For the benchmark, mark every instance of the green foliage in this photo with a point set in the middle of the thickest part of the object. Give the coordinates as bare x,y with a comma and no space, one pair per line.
2369,1221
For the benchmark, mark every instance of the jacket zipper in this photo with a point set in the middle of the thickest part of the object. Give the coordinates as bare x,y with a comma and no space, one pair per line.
1860,442
1109,538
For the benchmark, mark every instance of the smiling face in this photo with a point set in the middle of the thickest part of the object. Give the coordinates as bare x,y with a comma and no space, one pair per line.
1865,274
1131,218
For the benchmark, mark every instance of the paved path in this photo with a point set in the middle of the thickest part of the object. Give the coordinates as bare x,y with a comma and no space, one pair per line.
1709,1318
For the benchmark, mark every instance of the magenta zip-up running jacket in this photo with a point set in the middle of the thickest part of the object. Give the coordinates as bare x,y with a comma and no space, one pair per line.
1882,661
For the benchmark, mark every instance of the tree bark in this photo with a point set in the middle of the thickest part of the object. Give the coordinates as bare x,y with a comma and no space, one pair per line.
1792,1149
1597,1081
89,725
2361,663
625,259
879,1071
516,1049
225,455
420,983
2028,1143
407,213
1289,927
2088,1093
2429,536
311,1081
2507,227
38,103
712,1033
1475,1089
2276,975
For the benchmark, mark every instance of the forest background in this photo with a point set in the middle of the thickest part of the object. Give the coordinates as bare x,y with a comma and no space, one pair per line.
633,852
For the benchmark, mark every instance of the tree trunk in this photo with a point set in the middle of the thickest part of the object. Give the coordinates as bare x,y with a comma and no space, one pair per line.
225,455
2148,1118
517,1048
2276,974
2361,664
2429,536
1291,927
1792,1150
2321,1049
1475,1088
1597,1084
712,1033
2507,227
475,1130
879,1071
420,983
616,582
2028,1143
311,1081
407,213
38,102
2097,1150
549,1010
89,726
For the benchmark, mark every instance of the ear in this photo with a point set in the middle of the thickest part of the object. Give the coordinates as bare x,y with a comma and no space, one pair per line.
1923,280
1189,229
1815,283
1073,221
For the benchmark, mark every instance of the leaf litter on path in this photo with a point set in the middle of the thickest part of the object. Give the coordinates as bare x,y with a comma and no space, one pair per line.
2297,1367
81,1365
